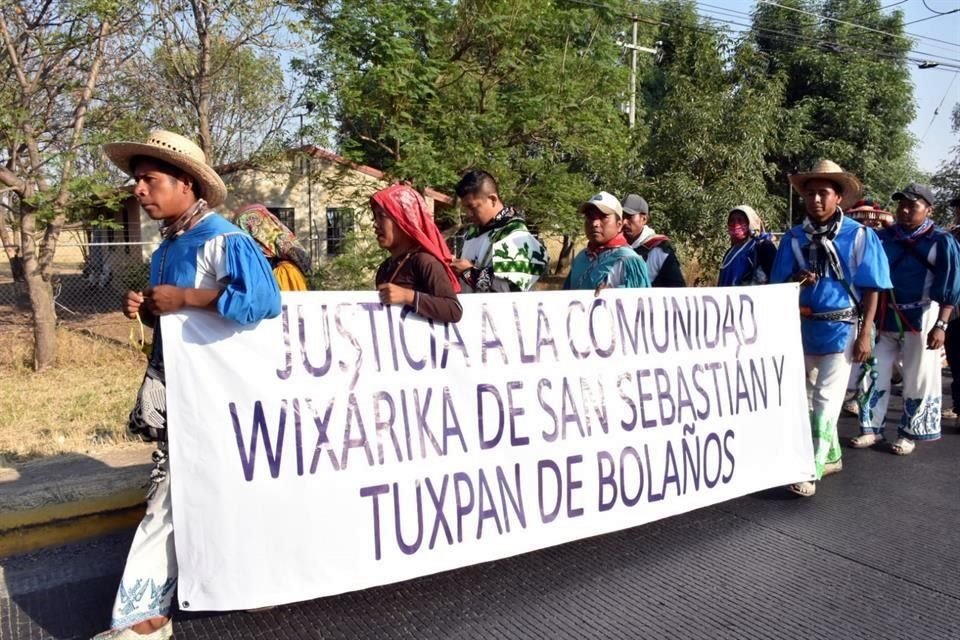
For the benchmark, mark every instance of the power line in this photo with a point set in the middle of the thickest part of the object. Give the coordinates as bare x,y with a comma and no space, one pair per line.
941,13
936,111
889,52
858,26
827,46
869,11
833,47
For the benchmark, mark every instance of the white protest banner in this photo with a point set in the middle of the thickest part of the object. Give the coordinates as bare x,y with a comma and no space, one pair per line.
346,444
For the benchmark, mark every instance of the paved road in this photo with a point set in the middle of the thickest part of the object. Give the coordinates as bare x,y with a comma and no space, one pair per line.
876,554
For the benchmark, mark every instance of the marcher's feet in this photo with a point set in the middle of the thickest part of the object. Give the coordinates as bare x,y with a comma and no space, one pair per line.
949,414
832,467
803,489
865,440
896,378
903,446
162,633
851,406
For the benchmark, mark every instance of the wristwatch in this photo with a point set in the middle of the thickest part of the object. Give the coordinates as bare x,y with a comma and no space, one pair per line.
940,324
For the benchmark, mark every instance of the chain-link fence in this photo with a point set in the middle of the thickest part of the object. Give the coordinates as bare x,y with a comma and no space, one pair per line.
90,278
88,281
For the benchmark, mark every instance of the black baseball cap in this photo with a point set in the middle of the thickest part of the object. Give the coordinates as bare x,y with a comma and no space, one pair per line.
915,191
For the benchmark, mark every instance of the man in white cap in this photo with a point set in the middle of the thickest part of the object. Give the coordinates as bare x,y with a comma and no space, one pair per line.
841,268
925,269
608,261
203,262
663,267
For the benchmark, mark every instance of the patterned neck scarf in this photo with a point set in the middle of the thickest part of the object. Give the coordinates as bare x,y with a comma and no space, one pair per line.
408,210
903,235
503,217
186,220
276,240
821,252
616,241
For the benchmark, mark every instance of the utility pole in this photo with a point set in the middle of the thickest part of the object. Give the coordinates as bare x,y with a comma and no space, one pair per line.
633,68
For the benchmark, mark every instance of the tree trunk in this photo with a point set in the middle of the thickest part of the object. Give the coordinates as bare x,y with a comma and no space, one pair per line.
566,255
44,316
201,16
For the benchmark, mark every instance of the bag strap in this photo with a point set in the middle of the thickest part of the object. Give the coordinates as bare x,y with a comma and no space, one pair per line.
399,266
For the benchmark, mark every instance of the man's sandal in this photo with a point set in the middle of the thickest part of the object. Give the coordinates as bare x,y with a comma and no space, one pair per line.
903,446
803,489
831,468
865,440
163,633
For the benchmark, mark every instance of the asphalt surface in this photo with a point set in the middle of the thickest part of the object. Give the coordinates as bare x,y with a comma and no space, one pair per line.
875,554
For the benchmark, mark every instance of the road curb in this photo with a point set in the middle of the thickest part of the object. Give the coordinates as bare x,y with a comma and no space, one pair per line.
50,502
87,520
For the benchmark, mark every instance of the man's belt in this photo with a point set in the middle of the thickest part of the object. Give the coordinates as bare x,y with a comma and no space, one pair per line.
840,315
919,304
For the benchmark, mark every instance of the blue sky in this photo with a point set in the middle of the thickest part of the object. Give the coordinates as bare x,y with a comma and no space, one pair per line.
931,86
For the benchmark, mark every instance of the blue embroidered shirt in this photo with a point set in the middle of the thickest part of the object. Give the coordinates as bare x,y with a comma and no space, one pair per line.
864,266
928,271
217,254
617,267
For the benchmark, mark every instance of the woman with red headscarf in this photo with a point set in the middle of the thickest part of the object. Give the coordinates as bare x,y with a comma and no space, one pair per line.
417,273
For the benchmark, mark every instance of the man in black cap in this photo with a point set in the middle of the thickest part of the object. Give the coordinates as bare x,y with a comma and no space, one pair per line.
663,267
925,270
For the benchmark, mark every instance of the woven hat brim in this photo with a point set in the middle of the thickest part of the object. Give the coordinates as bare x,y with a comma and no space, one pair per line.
212,188
849,182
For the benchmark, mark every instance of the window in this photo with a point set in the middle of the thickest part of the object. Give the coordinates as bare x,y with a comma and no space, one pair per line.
339,223
284,215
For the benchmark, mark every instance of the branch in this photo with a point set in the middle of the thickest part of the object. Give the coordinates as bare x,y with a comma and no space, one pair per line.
53,229
12,180
12,52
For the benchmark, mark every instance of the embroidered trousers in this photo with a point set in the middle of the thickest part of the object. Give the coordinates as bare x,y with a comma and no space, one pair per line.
150,574
827,376
922,380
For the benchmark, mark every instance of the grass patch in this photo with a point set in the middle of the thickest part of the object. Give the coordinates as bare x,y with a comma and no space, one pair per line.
79,406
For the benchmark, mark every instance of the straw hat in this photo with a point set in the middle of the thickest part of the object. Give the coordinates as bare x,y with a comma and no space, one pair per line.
829,170
176,150
869,211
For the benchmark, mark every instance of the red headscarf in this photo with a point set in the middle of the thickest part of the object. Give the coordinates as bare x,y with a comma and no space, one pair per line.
408,210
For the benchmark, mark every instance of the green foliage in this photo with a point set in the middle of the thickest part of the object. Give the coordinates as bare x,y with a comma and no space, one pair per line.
535,92
353,269
425,90
847,95
713,114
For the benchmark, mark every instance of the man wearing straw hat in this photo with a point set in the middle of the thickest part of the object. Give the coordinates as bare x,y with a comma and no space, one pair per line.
203,262
841,267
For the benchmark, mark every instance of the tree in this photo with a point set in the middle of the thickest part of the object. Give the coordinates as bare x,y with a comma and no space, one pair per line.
529,90
53,54
712,112
847,94
209,70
